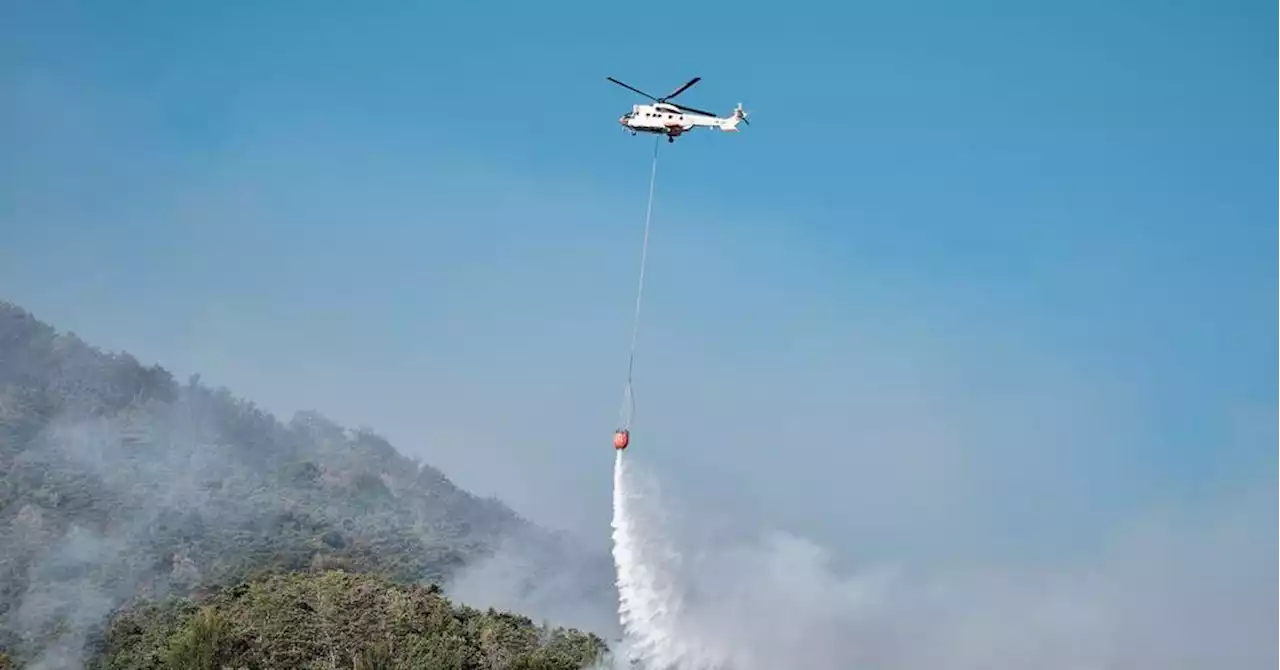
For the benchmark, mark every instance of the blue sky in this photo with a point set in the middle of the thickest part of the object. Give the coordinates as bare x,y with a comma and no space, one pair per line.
986,277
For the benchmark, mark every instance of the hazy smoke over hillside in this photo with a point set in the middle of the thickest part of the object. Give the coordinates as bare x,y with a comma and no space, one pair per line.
120,523
562,583
119,483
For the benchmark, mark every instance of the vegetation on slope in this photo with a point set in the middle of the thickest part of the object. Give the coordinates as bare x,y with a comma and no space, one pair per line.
337,619
118,483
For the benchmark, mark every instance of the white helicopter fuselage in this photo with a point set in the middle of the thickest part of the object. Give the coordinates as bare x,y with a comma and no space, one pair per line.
672,121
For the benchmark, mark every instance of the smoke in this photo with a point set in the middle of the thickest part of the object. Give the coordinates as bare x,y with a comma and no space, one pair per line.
704,599
166,497
560,582
104,525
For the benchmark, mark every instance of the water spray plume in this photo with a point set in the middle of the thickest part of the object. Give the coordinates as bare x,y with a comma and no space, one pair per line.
693,599
653,606
647,606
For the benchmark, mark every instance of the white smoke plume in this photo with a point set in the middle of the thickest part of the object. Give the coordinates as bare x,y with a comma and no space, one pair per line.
701,601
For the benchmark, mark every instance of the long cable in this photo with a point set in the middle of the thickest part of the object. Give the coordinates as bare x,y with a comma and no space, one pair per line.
629,405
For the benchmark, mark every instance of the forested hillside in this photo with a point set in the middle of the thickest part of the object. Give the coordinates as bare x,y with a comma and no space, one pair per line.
118,483
336,619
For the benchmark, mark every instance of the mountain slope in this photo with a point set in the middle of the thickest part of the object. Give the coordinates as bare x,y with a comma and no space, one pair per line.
120,483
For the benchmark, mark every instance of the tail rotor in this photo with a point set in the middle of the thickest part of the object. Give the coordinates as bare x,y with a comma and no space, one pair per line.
730,125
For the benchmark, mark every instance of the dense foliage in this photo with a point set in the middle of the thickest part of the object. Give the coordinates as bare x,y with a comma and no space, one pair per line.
118,483
336,619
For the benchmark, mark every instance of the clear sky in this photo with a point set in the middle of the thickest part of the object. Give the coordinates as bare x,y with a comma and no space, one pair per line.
980,277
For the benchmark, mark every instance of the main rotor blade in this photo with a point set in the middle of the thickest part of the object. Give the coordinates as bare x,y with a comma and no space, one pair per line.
682,88
691,109
633,88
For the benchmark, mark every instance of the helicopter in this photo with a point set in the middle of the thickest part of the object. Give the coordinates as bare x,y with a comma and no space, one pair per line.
667,118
